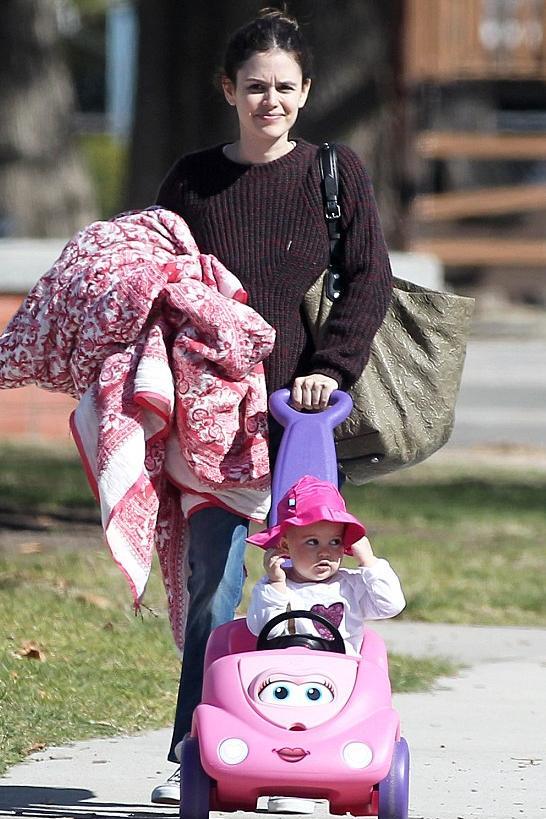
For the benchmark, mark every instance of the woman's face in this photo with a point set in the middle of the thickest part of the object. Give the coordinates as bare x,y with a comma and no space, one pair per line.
268,95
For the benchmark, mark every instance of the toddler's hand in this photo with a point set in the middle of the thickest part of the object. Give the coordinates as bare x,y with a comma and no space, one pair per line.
273,561
363,552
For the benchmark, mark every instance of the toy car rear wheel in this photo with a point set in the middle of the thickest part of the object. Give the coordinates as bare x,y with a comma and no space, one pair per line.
196,784
394,789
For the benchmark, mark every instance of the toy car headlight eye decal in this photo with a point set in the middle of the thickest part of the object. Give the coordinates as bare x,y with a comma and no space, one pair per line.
288,693
316,693
277,692
357,755
233,751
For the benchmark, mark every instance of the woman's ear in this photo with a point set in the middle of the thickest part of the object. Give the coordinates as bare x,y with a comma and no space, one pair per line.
304,93
229,90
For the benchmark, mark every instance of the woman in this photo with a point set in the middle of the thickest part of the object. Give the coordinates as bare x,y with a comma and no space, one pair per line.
256,204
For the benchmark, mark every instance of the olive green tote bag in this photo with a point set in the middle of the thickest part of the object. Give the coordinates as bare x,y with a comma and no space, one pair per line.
404,401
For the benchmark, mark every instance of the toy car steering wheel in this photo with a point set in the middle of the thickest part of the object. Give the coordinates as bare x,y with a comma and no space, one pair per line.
312,641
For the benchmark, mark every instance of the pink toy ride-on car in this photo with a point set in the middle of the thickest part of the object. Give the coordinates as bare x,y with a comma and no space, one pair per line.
294,715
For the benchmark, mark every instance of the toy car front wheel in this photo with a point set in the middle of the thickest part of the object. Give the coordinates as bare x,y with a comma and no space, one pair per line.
196,784
394,789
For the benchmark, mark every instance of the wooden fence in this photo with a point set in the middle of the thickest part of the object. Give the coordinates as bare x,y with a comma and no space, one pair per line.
449,40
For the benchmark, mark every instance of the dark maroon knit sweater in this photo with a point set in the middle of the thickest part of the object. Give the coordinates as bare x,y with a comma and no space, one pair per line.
266,224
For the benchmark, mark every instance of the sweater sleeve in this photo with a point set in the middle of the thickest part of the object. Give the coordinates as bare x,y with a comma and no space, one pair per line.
345,345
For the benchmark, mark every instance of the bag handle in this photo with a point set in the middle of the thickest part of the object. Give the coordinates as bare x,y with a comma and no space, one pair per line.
332,214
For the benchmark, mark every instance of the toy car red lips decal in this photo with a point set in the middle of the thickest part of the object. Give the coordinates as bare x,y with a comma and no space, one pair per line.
291,754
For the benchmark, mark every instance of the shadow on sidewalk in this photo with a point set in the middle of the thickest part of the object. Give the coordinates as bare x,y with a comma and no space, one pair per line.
69,803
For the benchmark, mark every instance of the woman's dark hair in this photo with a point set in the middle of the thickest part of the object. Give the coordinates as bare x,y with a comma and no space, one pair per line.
272,28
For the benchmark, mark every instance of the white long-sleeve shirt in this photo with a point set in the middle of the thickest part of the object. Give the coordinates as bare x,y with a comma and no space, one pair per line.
347,599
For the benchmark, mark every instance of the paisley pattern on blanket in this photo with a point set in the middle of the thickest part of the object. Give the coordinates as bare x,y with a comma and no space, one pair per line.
151,336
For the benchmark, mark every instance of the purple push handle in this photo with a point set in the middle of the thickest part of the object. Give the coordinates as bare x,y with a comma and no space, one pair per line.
307,446
338,410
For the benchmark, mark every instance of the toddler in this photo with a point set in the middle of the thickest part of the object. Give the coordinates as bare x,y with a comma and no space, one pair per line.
314,530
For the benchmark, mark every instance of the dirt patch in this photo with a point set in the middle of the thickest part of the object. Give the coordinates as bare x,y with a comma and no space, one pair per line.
500,456
28,534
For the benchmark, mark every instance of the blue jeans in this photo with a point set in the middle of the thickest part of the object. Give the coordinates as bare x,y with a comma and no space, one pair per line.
216,561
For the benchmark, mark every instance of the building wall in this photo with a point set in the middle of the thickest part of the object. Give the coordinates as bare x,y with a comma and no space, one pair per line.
446,41
30,413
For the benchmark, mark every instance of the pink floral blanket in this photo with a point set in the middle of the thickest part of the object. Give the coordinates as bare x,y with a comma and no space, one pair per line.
152,336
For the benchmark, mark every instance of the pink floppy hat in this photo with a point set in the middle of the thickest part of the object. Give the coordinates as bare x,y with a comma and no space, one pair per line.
310,500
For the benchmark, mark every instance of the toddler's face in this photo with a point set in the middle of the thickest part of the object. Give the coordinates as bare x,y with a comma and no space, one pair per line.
315,550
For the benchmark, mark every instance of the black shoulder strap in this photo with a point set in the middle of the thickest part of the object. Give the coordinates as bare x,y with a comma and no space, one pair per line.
332,212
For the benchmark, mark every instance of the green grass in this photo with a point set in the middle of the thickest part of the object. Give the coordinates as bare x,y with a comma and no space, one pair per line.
104,670
467,543
42,480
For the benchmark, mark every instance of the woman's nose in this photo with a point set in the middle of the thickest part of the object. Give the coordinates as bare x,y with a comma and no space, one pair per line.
270,96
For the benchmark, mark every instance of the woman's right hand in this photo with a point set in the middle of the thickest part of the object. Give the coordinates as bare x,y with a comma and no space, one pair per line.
312,392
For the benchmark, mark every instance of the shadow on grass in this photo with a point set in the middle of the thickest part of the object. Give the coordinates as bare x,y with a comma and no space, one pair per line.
44,480
47,481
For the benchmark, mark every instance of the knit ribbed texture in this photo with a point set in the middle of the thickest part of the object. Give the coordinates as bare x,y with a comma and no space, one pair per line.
266,224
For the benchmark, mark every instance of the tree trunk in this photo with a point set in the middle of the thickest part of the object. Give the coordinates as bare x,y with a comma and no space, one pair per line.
355,96
44,187
178,108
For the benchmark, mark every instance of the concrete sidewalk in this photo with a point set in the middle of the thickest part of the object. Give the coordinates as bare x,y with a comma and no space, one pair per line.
477,741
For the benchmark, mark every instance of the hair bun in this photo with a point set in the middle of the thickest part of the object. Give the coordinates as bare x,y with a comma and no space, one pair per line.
272,28
271,13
